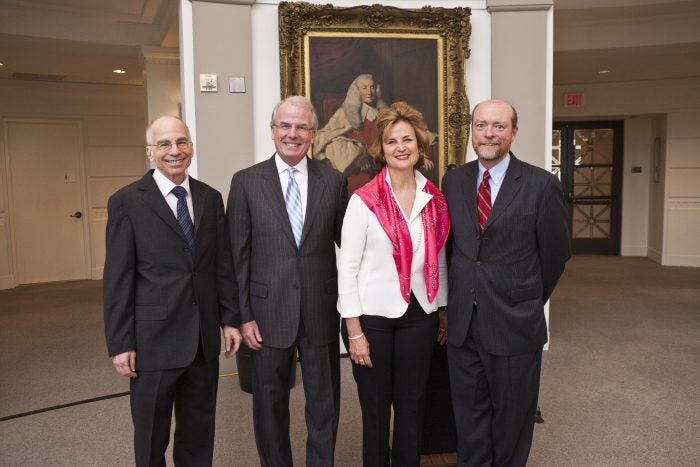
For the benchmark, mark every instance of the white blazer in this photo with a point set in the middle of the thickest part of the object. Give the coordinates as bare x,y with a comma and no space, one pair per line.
368,282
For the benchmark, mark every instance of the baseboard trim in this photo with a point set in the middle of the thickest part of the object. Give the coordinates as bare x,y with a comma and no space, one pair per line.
681,260
7,282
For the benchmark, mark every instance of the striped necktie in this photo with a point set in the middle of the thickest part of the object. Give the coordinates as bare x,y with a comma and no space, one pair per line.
293,201
483,201
183,215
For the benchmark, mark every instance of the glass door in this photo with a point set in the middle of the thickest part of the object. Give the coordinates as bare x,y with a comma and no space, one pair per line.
587,158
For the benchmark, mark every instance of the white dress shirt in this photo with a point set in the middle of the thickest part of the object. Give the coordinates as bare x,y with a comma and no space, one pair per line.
301,177
368,282
165,185
496,175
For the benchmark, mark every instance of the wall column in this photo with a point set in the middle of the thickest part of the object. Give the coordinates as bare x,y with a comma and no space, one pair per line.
215,39
521,71
161,77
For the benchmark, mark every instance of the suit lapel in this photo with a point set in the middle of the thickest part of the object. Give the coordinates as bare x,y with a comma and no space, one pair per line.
197,194
470,174
316,189
509,188
273,192
153,198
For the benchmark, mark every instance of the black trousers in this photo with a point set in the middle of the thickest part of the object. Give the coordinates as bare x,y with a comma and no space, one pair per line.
401,350
494,399
320,369
192,391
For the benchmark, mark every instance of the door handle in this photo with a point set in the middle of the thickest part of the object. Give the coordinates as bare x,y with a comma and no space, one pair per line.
77,215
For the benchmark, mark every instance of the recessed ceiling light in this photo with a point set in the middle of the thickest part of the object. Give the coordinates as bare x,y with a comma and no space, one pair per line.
603,72
2,64
119,71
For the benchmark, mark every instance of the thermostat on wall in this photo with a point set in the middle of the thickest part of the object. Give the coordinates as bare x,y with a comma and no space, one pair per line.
207,83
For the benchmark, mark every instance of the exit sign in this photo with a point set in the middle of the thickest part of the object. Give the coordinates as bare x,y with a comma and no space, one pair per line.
573,99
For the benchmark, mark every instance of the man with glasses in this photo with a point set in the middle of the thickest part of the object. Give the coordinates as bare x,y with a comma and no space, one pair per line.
285,214
169,289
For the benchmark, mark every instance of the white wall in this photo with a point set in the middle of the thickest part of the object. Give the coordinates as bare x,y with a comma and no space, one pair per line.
112,120
644,105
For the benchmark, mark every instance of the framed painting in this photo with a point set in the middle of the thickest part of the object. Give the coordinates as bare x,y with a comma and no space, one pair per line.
352,62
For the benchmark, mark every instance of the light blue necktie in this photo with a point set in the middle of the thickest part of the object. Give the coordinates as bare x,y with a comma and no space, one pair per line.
293,201
183,215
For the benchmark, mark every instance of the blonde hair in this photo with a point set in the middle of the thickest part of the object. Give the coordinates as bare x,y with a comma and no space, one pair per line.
400,112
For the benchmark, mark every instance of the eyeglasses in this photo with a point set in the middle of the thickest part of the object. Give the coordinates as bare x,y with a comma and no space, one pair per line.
286,128
166,145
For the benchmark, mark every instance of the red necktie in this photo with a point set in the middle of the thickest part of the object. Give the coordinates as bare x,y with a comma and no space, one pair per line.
483,201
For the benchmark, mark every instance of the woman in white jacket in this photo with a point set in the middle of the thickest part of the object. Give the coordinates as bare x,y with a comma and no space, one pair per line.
392,278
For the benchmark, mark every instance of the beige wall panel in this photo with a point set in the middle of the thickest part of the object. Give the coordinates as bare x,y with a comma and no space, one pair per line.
630,98
684,123
98,224
682,247
635,186
116,161
100,189
656,193
69,99
6,280
684,183
684,152
115,131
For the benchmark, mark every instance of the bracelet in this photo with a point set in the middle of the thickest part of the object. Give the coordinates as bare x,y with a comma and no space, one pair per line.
356,337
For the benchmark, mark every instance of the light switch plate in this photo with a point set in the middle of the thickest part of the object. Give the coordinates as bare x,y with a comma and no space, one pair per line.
236,84
208,83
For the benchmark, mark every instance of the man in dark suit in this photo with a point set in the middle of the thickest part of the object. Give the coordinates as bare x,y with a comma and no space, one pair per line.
168,290
509,246
285,214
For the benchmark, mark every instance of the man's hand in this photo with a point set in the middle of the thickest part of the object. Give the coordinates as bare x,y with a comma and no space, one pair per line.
251,335
232,339
125,363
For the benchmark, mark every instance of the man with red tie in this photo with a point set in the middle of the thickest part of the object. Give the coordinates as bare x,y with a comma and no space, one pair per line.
510,243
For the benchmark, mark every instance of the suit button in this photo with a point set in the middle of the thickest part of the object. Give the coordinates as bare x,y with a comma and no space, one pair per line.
194,274
186,250
478,263
194,302
296,286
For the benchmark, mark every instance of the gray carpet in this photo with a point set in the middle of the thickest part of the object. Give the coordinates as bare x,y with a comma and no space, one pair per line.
620,383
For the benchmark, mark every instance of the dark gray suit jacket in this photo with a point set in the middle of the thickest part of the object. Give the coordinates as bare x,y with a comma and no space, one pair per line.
278,283
510,271
159,297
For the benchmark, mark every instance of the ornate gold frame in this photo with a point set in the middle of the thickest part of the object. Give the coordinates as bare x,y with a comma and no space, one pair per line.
449,26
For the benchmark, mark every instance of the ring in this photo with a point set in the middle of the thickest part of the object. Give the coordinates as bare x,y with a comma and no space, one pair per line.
362,362
442,329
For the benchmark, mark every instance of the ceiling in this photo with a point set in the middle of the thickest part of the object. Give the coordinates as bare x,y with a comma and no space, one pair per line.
84,40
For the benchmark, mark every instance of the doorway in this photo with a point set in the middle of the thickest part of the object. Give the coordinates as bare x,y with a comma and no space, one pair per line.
587,157
49,228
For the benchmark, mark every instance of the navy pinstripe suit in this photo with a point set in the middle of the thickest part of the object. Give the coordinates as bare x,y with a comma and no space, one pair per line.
292,294
498,285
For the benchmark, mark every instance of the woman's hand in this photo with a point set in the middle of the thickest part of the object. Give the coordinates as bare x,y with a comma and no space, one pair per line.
442,330
359,346
359,352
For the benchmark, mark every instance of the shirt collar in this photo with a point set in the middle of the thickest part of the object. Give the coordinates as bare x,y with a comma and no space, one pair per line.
422,198
497,172
165,185
302,166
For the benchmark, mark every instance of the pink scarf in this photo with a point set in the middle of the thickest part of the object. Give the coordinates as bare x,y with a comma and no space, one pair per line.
377,196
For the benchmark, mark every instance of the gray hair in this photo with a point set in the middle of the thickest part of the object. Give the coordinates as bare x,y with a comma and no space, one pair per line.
296,101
